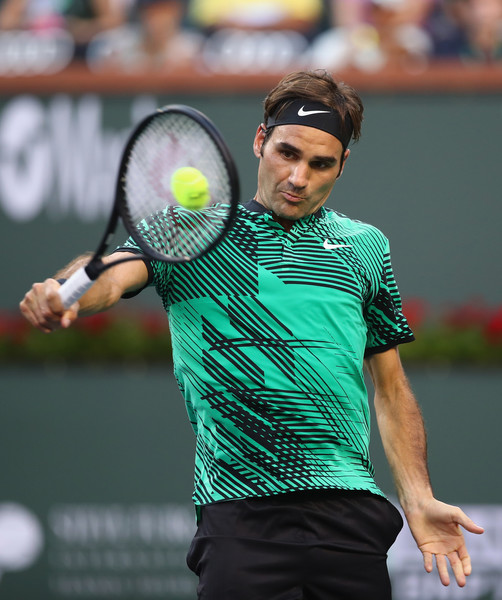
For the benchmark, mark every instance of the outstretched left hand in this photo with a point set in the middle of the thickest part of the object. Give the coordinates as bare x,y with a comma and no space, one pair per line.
436,529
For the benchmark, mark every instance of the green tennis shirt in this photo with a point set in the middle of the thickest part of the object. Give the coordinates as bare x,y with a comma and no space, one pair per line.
269,332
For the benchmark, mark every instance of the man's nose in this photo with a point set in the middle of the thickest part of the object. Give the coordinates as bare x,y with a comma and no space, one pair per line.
299,175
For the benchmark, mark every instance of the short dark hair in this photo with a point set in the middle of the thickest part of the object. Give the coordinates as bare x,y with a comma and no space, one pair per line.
317,86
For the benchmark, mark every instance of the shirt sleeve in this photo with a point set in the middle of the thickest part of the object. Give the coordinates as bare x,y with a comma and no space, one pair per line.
387,325
158,271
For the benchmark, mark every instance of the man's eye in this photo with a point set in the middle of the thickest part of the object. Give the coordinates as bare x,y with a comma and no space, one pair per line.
321,165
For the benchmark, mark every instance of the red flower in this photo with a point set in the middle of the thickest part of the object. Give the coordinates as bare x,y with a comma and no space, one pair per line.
474,313
95,323
493,327
154,323
13,326
415,310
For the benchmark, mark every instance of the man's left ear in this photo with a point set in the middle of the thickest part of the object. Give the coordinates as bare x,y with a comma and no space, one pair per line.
346,155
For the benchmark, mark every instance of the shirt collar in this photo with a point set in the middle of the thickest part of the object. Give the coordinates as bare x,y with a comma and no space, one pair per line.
255,206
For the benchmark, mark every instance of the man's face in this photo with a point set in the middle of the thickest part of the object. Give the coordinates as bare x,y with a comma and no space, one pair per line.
298,167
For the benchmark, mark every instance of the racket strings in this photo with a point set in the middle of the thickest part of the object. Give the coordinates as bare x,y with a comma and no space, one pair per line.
171,141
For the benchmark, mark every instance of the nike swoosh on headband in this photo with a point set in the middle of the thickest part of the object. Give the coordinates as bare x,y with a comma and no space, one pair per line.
305,113
310,113
329,246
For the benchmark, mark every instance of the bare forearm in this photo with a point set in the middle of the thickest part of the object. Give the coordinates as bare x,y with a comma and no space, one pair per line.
42,305
104,293
433,524
405,443
401,429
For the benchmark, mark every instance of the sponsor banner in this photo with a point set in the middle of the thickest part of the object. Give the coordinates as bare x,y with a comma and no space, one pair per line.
21,538
58,157
104,551
101,551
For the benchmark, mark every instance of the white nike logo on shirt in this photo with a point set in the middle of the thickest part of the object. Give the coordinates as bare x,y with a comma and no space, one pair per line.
329,246
305,113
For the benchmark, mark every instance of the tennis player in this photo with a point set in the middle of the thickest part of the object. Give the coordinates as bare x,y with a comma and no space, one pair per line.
270,331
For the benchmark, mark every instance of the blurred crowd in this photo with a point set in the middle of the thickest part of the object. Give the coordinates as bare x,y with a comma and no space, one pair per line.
246,35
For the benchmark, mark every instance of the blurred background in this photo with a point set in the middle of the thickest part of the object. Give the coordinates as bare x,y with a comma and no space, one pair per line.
95,448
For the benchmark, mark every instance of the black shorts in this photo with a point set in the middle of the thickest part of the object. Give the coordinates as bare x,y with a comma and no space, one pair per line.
327,545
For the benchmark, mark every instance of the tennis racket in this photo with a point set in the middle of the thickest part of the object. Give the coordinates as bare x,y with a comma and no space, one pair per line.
170,139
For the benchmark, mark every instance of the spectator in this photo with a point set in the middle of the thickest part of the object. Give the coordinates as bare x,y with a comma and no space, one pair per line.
163,43
386,31
154,37
82,18
481,20
448,36
30,14
303,16
256,36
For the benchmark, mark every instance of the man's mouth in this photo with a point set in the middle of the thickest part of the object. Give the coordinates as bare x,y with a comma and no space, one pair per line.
291,197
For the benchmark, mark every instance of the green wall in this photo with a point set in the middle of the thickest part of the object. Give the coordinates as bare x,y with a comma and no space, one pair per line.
102,461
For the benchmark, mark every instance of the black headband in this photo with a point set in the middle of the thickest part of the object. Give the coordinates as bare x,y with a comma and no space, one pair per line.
314,114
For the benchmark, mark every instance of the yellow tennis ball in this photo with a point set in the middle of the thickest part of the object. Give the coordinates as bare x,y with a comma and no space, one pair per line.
190,188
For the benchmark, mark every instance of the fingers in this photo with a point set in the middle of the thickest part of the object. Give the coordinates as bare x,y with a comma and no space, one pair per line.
466,561
467,523
56,307
457,568
42,307
428,562
442,568
460,564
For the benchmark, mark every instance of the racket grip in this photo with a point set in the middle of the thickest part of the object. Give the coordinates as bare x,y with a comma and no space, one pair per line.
75,287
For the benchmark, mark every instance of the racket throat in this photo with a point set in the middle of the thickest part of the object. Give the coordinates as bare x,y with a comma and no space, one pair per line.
93,269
